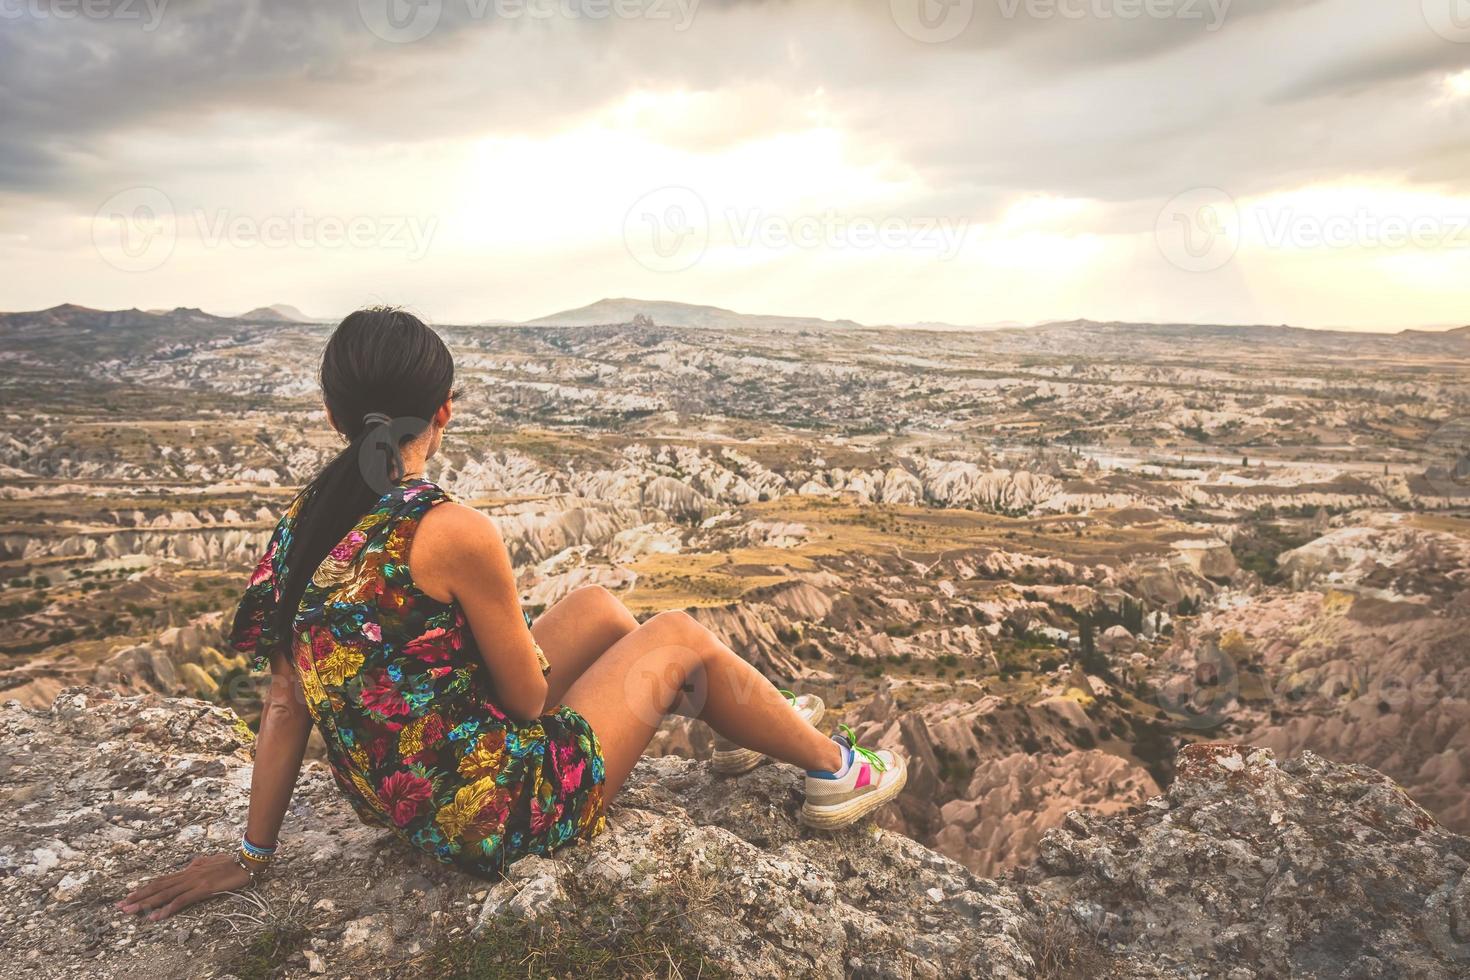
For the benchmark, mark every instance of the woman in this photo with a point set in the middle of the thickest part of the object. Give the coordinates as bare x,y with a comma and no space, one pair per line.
389,618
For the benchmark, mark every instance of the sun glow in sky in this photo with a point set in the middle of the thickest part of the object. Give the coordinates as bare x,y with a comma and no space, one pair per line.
814,159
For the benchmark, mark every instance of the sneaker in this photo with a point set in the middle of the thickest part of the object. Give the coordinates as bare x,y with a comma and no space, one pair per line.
731,760
867,781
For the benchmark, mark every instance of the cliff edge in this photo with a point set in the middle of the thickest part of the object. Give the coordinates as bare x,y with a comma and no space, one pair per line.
1247,867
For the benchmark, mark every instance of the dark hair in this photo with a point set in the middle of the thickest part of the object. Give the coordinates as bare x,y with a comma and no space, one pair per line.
384,374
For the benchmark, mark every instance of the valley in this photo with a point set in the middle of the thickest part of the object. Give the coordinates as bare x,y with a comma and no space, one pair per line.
1037,561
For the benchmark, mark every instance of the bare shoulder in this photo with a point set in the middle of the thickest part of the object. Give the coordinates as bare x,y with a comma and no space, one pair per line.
452,527
456,544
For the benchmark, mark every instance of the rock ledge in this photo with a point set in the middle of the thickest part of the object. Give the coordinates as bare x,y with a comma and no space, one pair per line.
1246,868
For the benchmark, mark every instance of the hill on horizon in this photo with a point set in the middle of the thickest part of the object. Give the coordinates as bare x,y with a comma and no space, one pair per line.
278,313
667,313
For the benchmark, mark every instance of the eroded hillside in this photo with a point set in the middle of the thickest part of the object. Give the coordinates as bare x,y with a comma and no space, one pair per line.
1036,561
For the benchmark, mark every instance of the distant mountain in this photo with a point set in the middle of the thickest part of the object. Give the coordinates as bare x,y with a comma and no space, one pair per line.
84,317
1058,336
941,326
669,314
1445,332
1065,335
277,313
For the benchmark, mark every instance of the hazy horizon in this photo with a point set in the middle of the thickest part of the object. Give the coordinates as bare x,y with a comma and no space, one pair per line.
986,161
309,316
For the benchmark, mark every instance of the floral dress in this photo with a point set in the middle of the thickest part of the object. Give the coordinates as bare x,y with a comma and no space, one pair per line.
407,708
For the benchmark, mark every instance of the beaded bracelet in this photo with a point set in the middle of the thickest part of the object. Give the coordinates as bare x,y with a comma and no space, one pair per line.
255,851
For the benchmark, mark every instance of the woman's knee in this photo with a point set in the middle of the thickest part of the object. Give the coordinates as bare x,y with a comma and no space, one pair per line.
599,608
679,636
673,623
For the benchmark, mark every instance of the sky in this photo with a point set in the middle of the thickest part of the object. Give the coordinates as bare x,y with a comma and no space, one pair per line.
970,162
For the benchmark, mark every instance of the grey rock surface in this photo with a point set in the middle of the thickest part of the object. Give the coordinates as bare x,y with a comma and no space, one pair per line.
1246,868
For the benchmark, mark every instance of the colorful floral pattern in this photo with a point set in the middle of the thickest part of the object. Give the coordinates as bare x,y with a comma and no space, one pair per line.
406,706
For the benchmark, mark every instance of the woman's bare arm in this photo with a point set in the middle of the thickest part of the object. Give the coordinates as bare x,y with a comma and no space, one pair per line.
285,725
457,554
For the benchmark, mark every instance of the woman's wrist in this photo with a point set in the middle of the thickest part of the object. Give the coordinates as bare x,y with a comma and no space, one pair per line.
244,866
262,852
254,858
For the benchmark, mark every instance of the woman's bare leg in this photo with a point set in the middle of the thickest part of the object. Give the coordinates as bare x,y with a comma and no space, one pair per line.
575,632
672,664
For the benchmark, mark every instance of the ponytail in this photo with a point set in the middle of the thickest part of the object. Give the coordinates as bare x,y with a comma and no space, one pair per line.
384,374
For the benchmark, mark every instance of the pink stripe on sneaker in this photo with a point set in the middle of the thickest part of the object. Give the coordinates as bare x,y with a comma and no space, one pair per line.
865,776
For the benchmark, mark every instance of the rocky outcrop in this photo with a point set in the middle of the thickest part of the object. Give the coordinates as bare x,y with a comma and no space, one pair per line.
1250,868
1350,676
988,778
180,660
1246,868
1386,556
225,545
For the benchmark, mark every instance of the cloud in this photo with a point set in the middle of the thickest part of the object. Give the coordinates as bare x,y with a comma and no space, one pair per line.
1026,98
263,105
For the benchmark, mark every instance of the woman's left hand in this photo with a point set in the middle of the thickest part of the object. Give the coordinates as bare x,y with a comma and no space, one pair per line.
206,876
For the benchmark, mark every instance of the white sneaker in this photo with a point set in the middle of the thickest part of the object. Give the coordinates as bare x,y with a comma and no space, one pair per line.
731,760
869,780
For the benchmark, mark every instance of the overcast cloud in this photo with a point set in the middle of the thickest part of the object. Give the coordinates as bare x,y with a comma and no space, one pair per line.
1056,132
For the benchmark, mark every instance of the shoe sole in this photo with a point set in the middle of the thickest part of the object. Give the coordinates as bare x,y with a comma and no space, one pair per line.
733,762
846,814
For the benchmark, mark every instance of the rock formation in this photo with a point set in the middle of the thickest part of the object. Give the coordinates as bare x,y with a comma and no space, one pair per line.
1245,868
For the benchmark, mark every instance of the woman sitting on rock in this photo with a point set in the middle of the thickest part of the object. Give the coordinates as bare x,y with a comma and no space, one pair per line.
388,616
